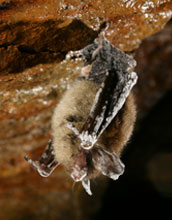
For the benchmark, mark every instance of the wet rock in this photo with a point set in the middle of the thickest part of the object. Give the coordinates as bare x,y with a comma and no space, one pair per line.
42,32
27,43
154,68
34,38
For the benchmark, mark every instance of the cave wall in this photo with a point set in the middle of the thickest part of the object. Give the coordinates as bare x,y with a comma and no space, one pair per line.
35,36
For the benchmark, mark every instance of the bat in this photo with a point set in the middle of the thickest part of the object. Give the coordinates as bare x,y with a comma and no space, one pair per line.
95,118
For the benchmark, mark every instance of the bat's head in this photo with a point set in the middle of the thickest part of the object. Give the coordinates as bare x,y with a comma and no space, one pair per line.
88,164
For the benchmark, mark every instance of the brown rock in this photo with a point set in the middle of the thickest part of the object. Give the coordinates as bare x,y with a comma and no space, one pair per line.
154,69
28,43
34,37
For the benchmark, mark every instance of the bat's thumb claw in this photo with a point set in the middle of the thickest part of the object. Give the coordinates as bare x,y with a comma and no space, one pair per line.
87,140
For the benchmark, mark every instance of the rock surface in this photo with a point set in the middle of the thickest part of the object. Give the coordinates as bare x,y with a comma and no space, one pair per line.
34,38
154,69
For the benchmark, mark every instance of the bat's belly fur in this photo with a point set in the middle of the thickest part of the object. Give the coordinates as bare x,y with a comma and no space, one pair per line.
74,108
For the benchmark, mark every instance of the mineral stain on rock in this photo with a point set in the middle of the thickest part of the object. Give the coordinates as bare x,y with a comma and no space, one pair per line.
5,5
34,39
30,43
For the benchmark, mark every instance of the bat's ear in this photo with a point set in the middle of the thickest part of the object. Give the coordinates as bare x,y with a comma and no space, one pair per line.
47,162
108,163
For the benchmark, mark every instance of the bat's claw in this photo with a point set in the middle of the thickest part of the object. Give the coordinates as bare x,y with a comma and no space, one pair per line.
87,140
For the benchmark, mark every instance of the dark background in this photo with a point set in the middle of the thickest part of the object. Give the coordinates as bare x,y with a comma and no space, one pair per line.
146,187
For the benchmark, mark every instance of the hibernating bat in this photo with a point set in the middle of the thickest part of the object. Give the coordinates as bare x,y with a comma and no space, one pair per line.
95,117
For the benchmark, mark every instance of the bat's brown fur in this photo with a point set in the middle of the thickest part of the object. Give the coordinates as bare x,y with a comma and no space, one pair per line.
116,136
74,108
